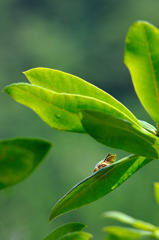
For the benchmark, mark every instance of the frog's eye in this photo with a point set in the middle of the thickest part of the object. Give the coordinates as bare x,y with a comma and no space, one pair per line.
109,159
109,154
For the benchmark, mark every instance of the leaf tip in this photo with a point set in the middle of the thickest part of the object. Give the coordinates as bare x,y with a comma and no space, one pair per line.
24,72
53,214
51,217
6,89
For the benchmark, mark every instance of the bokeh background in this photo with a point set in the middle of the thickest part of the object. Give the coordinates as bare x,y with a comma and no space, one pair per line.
87,39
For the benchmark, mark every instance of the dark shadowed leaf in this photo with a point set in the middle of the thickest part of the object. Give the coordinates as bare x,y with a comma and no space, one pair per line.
98,184
120,134
19,157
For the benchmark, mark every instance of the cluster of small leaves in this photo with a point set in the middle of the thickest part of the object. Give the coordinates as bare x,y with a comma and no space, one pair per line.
66,102
138,229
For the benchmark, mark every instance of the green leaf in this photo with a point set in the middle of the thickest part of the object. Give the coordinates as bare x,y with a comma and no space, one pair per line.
121,217
59,110
127,233
120,134
156,190
142,60
156,233
98,184
148,127
62,82
112,237
65,229
19,157
76,236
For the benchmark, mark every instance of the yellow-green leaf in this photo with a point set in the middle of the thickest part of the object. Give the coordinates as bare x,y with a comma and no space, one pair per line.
127,233
124,218
62,82
142,60
156,189
59,110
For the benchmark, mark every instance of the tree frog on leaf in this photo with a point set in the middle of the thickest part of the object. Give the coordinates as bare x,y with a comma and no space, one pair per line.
109,159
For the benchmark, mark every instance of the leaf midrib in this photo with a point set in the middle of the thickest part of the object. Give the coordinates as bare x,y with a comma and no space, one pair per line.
112,167
41,99
96,89
76,114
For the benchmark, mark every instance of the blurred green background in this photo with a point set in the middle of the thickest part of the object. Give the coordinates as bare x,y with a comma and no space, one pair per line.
85,38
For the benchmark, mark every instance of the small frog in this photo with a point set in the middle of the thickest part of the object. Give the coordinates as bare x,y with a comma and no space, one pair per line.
109,159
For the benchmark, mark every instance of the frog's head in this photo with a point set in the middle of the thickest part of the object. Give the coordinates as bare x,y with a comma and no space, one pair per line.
111,157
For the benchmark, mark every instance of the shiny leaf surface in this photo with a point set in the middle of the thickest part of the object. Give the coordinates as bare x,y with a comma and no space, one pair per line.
120,134
59,110
142,60
62,82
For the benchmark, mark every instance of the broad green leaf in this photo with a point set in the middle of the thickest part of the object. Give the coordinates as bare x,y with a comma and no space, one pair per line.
127,233
65,229
19,157
120,134
76,236
98,184
59,110
148,127
121,217
62,82
142,60
156,190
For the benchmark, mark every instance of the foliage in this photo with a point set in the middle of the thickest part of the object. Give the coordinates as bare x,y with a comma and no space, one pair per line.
59,106
66,102
139,229
98,184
